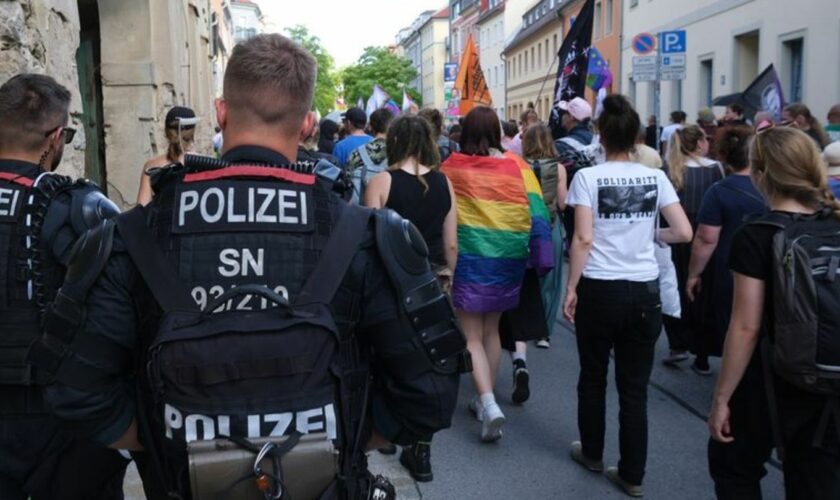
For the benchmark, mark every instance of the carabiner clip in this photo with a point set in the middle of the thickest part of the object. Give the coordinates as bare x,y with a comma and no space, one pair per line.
262,478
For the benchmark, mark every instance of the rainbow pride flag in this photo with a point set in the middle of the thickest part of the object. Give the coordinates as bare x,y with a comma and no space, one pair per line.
541,256
494,224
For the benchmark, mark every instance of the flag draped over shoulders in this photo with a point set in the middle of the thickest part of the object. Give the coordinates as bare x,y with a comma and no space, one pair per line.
494,230
541,256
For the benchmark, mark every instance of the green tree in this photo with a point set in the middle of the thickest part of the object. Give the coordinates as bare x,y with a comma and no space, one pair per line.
379,65
325,84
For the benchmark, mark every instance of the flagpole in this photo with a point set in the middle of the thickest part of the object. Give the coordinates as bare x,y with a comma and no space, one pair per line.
542,87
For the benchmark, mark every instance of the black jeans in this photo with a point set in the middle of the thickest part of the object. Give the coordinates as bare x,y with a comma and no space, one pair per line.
624,316
737,467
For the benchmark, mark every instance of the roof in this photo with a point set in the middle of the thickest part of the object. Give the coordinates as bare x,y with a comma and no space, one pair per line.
500,7
442,13
527,30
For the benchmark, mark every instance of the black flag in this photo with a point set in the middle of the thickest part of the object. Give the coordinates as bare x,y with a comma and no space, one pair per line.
574,63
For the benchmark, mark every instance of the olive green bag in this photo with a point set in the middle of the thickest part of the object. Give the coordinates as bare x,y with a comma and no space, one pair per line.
301,467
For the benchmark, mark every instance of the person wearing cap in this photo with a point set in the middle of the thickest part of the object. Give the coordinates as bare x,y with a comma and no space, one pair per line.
180,140
355,120
575,120
831,156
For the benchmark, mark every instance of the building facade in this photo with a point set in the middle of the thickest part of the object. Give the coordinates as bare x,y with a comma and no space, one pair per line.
463,22
246,19
433,36
126,63
729,43
221,41
491,29
410,46
531,56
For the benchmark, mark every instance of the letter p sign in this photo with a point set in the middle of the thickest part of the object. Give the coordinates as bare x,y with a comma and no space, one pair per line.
672,42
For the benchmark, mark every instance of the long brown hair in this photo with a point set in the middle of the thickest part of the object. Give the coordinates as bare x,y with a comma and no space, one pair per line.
481,132
411,136
787,164
798,109
684,143
538,144
175,148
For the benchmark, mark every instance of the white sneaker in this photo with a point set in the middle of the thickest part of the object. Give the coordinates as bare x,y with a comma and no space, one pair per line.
475,407
492,420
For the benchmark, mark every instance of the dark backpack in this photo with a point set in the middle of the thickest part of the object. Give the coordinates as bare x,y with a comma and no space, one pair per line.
257,375
574,156
805,347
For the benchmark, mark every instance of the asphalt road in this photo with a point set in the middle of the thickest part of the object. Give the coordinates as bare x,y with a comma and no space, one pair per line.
531,461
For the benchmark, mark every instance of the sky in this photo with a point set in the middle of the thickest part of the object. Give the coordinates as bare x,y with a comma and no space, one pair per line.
346,27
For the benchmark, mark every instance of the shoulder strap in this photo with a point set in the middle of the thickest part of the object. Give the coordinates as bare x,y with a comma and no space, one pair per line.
335,260
159,275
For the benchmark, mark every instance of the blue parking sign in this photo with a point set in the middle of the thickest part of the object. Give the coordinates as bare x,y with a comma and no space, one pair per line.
672,42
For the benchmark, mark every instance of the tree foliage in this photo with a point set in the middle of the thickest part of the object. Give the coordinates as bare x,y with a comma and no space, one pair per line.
378,65
326,81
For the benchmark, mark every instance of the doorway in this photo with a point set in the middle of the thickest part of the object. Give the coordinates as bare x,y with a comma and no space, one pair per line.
89,64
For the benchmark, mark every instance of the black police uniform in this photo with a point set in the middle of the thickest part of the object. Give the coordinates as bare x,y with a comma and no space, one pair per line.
414,389
41,216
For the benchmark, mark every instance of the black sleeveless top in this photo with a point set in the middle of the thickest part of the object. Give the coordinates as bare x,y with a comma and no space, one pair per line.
426,211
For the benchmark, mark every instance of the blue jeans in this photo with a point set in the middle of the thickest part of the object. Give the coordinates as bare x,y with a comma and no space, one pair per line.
624,316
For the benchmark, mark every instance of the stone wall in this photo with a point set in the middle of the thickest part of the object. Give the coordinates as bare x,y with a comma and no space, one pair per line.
41,36
155,54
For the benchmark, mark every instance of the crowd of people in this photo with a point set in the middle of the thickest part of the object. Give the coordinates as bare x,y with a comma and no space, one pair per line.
725,233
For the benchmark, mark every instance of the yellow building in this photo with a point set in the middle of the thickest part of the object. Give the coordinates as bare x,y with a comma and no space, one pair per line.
530,63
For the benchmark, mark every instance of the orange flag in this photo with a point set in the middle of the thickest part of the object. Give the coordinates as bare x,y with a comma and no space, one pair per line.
470,82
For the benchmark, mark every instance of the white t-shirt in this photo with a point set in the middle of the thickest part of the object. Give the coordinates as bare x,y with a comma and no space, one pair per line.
667,132
625,199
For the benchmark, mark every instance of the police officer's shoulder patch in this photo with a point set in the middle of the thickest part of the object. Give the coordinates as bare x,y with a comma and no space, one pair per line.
242,205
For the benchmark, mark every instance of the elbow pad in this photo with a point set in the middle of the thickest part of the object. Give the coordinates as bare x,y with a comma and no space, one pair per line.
89,208
429,312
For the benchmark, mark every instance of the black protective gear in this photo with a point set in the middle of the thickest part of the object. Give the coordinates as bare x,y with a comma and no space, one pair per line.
405,256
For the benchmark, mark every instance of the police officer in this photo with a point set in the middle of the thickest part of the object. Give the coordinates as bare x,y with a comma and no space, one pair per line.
276,230
41,215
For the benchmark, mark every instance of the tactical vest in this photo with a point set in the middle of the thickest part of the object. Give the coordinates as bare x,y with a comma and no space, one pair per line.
231,227
28,275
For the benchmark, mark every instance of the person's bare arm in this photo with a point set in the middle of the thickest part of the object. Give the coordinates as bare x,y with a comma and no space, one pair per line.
562,190
578,255
377,190
450,231
680,228
144,194
705,242
741,340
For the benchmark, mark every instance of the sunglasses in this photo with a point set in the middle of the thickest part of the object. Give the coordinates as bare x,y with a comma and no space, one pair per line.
69,133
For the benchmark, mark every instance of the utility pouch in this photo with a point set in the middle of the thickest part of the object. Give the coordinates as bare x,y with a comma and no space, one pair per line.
262,468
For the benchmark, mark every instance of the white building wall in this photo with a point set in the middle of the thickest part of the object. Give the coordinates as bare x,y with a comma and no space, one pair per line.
491,46
721,37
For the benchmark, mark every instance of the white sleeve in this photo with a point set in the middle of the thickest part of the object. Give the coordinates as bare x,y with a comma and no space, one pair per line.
579,192
662,136
667,194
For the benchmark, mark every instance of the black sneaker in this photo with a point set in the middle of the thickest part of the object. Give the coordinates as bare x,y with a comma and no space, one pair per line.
701,366
418,460
391,449
521,377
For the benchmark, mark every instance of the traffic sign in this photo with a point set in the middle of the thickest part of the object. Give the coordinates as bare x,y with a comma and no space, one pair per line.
673,61
644,43
645,68
673,42
672,73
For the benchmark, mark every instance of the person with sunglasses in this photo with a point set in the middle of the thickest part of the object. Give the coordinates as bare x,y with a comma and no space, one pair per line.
41,216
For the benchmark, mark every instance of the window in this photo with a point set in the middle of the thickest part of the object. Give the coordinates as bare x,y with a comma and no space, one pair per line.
533,61
706,82
555,44
519,69
792,68
547,55
526,61
634,3
596,21
608,14
539,55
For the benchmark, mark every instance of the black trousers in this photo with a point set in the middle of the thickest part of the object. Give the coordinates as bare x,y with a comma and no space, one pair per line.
39,460
626,317
811,472
737,467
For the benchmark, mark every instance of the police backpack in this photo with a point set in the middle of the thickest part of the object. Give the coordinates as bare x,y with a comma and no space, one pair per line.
805,348
256,397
